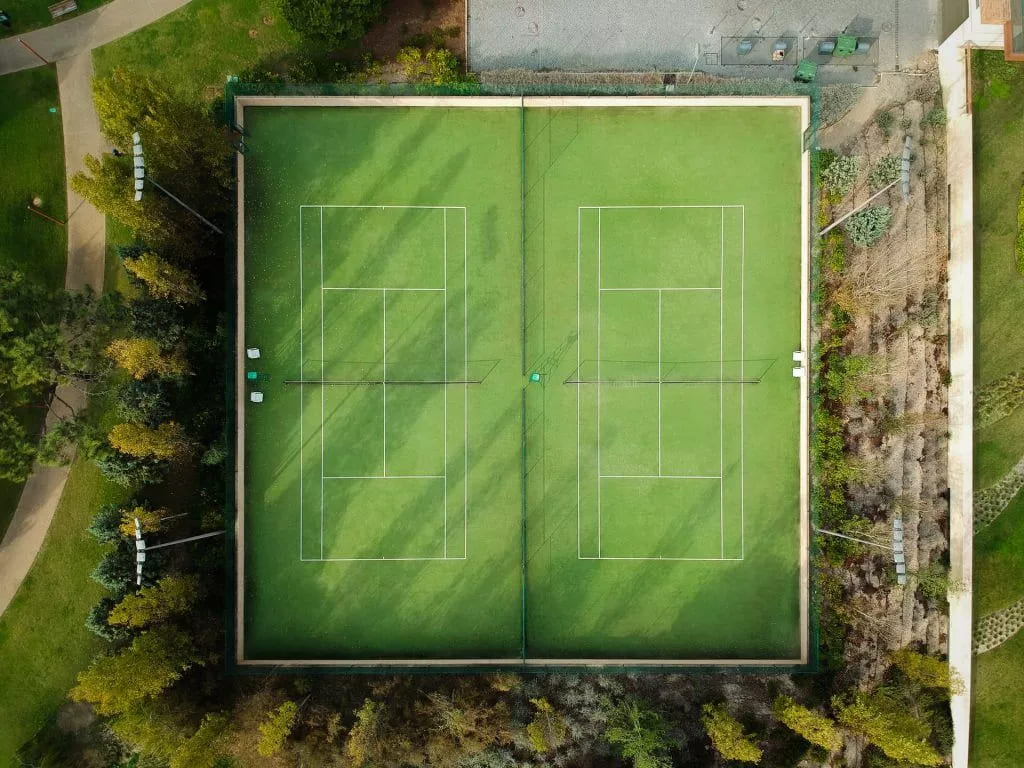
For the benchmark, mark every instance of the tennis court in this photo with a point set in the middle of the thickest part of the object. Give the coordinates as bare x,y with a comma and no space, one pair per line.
525,376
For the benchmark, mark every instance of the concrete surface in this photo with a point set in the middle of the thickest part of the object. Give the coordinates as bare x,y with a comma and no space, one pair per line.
82,33
668,35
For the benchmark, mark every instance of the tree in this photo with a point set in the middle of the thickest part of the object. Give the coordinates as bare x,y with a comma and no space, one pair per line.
333,22
149,520
129,471
184,149
96,622
154,661
727,736
144,401
436,66
201,750
162,321
106,524
367,740
463,724
547,731
17,448
639,734
163,280
813,726
887,725
116,569
143,357
171,596
276,728
166,442
926,671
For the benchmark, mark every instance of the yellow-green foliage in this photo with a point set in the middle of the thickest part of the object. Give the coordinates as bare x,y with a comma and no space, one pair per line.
926,671
164,280
887,725
436,66
276,728
113,684
165,442
171,596
149,520
366,743
143,357
547,730
201,750
727,736
813,726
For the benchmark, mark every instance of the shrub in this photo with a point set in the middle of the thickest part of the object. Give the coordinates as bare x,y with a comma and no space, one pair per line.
547,731
886,171
868,226
116,571
333,22
926,671
936,117
889,726
727,736
839,175
885,121
436,66
276,728
143,401
131,471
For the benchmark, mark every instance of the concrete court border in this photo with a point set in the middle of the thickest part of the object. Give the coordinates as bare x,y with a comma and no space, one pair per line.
800,102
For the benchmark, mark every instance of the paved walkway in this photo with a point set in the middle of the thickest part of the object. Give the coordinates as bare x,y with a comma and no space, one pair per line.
70,44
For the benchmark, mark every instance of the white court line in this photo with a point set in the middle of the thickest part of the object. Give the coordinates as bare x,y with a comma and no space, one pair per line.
384,380
384,291
376,559
676,559
662,477
743,331
659,290
600,290
332,288
444,392
598,382
301,397
383,477
721,387
579,344
659,383
322,377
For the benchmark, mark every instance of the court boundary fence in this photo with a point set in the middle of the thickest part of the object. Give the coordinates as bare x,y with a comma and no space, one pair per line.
639,92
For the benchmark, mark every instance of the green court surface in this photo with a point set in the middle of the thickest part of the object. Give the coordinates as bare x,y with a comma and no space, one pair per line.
410,494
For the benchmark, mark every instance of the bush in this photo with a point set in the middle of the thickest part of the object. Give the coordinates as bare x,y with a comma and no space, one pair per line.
885,121
815,727
436,66
333,22
868,226
840,174
727,736
144,401
886,171
116,571
130,471
936,117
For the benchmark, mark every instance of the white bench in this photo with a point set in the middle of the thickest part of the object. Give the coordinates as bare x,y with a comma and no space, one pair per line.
60,9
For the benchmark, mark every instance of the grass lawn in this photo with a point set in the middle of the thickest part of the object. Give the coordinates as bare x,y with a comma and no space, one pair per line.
33,166
386,519
43,639
27,15
996,738
193,49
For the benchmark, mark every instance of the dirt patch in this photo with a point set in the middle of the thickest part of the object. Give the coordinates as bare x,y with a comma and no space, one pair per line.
413,22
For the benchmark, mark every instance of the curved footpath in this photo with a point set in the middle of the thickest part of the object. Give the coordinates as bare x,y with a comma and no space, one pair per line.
70,45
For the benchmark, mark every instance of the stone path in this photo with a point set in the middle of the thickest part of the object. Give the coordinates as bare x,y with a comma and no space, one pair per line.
996,628
70,44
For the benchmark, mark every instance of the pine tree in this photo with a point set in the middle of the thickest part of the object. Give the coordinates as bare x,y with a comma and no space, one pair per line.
547,731
888,726
639,734
276,728
171,596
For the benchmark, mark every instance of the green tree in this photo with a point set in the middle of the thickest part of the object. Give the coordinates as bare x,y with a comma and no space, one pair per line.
547,731
813,726
639,734
154,661
170,596
150,520
276,729
333,22
143,357
164,280
106,523
463,724
17,448
368,739
727,736
435,66
887,725
166,442
926,671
